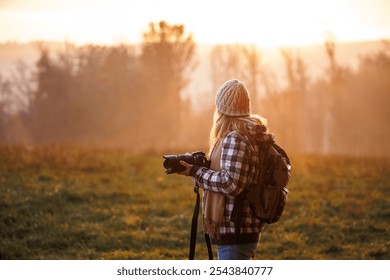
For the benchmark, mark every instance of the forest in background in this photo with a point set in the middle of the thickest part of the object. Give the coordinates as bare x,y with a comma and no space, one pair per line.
131,97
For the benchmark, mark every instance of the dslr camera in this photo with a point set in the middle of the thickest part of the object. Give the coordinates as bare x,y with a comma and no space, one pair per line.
172,162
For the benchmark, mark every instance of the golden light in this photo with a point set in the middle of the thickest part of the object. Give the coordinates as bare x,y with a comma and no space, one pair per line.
265,23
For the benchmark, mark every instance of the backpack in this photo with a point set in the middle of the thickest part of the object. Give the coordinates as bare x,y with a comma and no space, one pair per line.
268,198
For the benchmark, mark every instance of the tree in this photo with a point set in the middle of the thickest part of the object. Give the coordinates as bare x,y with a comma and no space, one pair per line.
226,63
4,93
167,58
119,75
50,107
242,62
365,106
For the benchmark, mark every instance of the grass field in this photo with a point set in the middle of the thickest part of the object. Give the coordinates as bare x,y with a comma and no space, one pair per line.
59,203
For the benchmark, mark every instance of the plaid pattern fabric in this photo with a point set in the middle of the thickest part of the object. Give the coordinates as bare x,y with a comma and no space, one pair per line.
239,169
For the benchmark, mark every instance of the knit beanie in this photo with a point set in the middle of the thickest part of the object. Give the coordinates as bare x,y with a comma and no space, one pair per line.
232,99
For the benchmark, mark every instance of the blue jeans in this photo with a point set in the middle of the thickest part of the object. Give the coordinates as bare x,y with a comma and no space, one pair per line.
237,252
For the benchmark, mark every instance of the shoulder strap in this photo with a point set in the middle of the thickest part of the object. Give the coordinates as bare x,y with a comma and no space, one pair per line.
208,243
194,224
194,228
281,151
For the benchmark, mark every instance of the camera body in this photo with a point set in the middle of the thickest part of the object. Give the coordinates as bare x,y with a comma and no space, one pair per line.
172,162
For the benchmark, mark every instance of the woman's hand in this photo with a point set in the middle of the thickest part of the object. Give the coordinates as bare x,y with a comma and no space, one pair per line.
185,172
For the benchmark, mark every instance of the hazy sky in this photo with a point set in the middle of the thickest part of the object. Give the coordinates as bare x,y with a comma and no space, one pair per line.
263,22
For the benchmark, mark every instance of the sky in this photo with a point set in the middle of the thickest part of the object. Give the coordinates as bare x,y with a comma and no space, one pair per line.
261,22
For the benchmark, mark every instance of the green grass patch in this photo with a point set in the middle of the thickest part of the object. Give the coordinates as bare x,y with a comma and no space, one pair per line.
63,203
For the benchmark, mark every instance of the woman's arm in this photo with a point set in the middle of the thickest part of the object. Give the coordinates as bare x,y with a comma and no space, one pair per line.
233,176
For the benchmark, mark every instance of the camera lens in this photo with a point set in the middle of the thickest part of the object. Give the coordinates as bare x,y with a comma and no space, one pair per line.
172,164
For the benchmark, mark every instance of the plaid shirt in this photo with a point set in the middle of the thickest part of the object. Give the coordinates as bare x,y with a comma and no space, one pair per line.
239,169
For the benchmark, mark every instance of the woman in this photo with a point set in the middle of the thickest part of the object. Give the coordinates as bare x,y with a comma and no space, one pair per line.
234,168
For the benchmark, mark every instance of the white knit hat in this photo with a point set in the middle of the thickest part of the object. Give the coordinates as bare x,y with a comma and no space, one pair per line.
233,99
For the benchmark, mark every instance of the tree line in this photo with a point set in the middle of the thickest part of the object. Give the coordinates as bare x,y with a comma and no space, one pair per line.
130,96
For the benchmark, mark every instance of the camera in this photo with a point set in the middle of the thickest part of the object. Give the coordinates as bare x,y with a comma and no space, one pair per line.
172,162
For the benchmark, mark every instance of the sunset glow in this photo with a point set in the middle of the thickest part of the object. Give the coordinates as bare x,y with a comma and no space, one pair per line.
265,23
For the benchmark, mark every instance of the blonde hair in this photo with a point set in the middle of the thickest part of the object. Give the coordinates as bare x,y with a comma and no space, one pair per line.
224,124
